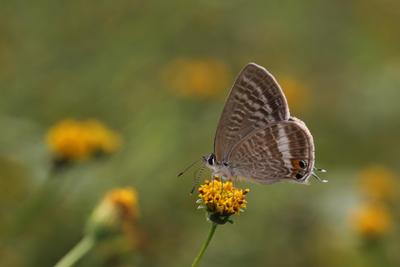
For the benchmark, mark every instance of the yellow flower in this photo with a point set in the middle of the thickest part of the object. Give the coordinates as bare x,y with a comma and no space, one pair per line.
118,211
372,220
125,200
102,139
297,94
221,199
378,182
68,140
197,77
78,140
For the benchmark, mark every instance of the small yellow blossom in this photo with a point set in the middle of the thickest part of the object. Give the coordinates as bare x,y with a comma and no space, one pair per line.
378,182
125,200
67,139
118,211
221,199
102,138
78,140
372,220
116,214
197,77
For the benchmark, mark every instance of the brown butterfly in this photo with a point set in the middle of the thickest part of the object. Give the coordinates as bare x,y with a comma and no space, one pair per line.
257,138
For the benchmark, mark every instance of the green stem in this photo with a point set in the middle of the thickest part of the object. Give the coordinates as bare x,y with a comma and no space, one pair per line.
76,252
205,245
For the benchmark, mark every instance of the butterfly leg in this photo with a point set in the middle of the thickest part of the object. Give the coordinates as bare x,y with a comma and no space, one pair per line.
196,180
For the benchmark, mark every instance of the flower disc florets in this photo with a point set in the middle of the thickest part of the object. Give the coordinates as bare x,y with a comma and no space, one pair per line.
222,199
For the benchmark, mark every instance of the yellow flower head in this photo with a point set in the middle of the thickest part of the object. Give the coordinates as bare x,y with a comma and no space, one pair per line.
67,139
221,199
197,77
372,220
118,211
378,182
102,139
125,200
78,140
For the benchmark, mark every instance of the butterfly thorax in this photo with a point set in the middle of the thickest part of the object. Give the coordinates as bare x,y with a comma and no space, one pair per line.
219,169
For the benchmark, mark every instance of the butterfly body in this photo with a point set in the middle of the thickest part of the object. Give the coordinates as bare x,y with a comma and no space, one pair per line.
256,137
219,169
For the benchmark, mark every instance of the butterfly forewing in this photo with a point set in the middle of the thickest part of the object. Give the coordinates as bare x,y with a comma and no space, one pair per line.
255,101
281,150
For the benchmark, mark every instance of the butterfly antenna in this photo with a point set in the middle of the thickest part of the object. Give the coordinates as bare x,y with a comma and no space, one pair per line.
319,178
196,180
187,168
320,170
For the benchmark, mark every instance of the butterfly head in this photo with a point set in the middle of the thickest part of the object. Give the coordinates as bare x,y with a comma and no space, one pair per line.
209,160
218,169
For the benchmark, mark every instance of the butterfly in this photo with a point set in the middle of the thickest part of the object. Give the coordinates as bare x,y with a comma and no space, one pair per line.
257,138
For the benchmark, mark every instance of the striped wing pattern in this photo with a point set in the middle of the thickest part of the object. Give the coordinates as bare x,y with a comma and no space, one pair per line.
255,101
281,150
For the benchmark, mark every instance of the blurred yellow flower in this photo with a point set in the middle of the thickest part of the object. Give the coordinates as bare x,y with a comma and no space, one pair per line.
78,140
125,200
377,182
102,139
118,211
372,220
297,94
221,199
68,140
197,77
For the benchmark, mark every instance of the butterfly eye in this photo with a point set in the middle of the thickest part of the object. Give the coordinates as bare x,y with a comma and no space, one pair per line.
211,160
303,164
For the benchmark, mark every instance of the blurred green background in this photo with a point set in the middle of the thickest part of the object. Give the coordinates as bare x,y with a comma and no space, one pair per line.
157,74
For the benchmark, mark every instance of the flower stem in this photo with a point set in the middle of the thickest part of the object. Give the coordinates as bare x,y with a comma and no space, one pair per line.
205,245
76,252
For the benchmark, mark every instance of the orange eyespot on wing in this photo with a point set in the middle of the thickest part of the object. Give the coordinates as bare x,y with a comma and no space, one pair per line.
299,168
299,164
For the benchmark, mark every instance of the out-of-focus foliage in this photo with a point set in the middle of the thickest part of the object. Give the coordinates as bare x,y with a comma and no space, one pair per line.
156,73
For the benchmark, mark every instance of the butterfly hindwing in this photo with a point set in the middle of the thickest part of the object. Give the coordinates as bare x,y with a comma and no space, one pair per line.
281,150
